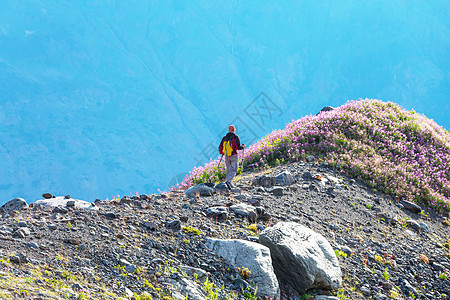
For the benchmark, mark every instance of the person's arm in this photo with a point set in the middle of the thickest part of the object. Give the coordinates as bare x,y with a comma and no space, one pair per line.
221,147
238,143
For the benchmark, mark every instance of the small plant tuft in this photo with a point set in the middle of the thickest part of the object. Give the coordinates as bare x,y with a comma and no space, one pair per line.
244,273
190,229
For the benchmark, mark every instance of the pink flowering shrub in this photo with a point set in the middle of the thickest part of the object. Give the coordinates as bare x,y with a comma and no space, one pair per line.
393,150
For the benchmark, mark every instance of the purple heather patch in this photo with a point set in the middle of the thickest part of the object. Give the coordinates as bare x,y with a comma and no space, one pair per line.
399,152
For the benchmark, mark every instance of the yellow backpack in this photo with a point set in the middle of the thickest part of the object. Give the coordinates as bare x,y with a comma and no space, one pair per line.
227,147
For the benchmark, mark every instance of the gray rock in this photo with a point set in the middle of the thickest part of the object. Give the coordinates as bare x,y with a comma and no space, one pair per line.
389,218
217,212
77,287
310,158
424,227
70,203
16,204
157,261
196,272
345,249
124,262
265,181
52,226
253,256
445,264
99,202
325,109
174,224
276,191
200,189
255,200
302,257
110,215
241,197
324,297
339,186
285,178
245,210
125,199
411,206
438,267
409,289
261,213
47,196
332,179
18,259
6,228
187,287
221,187
33,245
60,210
307,175
73,241
365,290
130,268
62,202
22,224
413,224
144,197
21,233
150,225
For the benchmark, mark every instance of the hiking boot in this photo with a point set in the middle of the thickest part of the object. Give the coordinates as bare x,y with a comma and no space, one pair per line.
229,186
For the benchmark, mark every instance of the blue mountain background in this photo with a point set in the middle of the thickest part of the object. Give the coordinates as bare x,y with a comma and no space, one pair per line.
99,98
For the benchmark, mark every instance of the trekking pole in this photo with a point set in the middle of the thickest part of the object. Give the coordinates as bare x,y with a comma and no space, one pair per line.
219,162
242,167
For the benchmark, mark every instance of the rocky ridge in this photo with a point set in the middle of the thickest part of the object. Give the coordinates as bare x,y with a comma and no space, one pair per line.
165,246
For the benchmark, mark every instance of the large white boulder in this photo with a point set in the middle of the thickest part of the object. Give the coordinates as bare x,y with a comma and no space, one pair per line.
253,256
61,201
302,257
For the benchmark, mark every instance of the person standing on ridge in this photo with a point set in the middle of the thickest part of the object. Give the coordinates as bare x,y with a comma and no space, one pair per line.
228,147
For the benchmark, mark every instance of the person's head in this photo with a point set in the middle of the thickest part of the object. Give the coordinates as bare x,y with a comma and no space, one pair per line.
231,128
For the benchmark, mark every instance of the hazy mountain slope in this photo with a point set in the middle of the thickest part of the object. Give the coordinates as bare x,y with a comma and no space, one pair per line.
112,98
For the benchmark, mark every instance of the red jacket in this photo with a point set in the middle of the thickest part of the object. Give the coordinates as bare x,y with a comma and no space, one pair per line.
235,143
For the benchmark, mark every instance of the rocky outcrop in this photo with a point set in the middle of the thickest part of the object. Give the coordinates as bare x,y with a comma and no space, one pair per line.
411,206
218,213
284,178
201,189
302,257
245,210
16,204
265,181
249,255
325,109
130,240
62,203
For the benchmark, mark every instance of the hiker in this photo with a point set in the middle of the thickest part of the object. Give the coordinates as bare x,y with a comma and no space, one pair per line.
228,147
